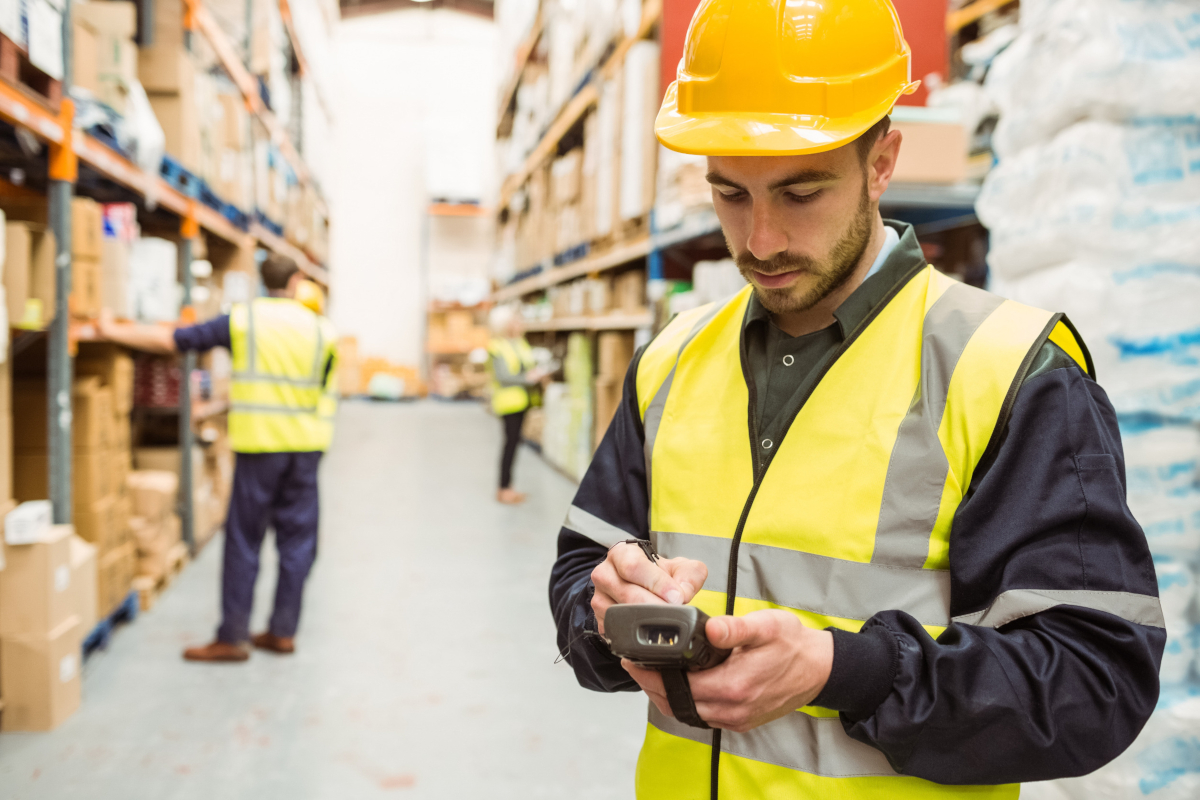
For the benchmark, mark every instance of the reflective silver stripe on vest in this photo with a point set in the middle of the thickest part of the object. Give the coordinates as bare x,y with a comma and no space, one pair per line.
1141,609
816,745
302,383
820,584
916,476
594,528
320,351
251,352
654,411
252,408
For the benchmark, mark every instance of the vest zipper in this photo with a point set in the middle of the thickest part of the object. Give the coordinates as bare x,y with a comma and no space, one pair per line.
759,474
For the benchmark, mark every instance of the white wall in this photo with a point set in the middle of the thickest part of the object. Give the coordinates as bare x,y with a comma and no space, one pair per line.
415,119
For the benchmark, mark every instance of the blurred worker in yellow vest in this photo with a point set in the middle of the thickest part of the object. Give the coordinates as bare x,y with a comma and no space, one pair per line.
514,376
900,499
282,404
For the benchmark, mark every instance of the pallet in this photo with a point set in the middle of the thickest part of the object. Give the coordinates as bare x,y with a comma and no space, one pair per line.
100,635
17,69
149,587
229,211
179,177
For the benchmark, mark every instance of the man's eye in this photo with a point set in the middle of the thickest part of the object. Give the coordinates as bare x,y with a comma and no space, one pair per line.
732,197
804,198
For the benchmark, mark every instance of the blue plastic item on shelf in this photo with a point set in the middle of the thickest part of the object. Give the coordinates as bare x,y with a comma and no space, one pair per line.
179,177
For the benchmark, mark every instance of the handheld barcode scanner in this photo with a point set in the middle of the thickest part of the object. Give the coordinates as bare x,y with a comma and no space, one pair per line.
670,639
655,636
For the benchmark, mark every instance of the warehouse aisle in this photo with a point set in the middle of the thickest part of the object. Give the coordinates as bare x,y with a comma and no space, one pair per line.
425,658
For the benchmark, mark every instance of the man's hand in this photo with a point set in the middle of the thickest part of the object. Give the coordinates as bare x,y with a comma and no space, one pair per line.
105,323
778,665
627,576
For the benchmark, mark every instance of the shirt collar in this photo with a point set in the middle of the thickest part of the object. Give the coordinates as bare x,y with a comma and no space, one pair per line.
901,253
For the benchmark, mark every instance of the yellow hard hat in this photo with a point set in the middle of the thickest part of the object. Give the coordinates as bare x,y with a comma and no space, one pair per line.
310,294
784,77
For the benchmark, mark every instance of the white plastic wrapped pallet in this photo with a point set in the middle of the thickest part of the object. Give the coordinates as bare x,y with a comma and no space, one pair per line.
1094,210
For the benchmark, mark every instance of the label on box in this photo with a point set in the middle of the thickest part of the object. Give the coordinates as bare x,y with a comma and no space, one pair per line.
28,523
66,668
62,578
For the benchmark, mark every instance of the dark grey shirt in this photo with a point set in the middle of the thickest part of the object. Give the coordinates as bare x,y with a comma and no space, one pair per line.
783,369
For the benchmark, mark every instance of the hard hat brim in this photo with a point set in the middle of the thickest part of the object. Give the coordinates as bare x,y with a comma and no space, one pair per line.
762,134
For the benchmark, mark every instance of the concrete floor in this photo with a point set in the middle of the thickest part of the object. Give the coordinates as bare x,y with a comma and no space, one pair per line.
425,656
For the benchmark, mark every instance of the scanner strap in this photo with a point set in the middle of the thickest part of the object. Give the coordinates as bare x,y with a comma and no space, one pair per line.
679,695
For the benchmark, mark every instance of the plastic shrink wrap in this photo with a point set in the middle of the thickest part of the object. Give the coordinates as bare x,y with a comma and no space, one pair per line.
1094,210
1095,59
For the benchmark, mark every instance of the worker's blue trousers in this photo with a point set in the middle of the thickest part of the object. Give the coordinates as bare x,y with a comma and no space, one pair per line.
280,490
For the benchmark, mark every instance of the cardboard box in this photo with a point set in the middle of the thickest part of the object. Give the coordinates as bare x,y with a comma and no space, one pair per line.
114,276
97,524
29,522
164,67
29,273
87,216
153,493
114,367
608,400
932,152
615,353
35,586
6,431
83,582
39,677
629,291
114,26
86,290
6,508
85,61
114,573
92,414
92,476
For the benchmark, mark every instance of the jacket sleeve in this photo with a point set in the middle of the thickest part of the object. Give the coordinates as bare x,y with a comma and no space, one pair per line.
612,505
1050,668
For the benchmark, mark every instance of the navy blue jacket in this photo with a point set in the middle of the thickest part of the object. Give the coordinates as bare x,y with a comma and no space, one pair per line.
1053,694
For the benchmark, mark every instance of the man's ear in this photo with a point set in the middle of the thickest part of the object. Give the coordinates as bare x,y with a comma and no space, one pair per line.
881,163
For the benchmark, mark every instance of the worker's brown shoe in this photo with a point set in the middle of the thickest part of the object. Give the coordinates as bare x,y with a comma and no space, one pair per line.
277,644
217,651
510,497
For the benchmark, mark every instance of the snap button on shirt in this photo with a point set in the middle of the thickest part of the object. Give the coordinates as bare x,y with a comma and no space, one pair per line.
788,360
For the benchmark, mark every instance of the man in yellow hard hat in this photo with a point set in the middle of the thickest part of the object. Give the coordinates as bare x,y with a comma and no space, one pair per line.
280,423
900,498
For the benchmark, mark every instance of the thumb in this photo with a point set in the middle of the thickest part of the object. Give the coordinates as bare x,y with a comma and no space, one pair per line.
751,630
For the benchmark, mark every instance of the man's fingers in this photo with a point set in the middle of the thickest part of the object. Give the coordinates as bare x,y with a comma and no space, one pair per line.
632,565
652,684
688,573
755,629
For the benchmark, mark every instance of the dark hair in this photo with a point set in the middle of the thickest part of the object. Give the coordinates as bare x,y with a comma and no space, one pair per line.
872,135
277,270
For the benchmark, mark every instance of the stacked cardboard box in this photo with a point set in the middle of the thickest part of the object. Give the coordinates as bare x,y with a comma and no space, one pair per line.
45,611
120,230
100,459
29,250
615,350
154,524
105,57
349,367
456,331
168,75
87,248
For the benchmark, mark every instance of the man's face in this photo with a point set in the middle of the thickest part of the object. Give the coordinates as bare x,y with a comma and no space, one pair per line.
797,226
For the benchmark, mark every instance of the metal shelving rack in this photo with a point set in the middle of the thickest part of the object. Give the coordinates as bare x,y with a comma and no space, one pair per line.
67,149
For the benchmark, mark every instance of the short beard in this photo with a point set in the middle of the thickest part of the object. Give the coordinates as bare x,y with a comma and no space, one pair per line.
831,276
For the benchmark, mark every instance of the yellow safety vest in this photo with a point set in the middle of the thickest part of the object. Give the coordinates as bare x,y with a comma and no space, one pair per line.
518,357
851,517
281,398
